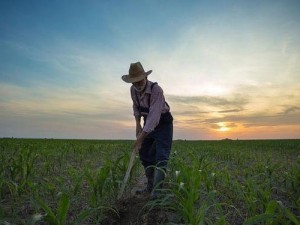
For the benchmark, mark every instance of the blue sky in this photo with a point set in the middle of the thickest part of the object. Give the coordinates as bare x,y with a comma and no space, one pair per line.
228,68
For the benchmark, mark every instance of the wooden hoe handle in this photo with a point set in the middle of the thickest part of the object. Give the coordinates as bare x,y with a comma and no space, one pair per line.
127,173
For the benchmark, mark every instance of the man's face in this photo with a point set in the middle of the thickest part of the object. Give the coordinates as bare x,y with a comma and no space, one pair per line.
140,85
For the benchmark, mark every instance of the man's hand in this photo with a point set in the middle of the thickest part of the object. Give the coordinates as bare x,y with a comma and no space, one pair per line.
139,140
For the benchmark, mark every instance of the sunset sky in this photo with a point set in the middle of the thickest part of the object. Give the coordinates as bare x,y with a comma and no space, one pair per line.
229,69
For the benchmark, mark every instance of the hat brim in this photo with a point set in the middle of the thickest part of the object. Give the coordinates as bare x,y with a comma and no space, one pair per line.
130,79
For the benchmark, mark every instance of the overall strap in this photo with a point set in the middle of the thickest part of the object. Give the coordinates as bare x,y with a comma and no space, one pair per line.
151,93
153,85
137,99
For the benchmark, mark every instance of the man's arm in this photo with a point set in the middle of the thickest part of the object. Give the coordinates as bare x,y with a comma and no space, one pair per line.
156,106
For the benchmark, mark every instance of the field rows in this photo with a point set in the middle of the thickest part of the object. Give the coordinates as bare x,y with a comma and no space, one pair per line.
56,182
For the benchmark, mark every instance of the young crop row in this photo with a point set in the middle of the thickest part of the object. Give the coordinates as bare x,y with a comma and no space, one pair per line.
60,181
234,182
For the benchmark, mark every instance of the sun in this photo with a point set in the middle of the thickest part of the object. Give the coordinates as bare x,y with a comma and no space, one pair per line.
223,127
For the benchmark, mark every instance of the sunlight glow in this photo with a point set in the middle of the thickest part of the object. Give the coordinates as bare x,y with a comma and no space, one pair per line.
223,127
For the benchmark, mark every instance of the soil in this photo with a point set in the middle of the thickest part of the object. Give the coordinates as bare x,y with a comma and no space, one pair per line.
134,209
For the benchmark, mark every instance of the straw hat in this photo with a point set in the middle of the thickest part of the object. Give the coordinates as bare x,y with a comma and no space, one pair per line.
136,73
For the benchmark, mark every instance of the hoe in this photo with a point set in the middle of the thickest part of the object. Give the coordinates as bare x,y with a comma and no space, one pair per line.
127,173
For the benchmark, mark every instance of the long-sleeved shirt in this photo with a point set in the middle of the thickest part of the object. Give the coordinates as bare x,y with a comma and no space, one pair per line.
156,108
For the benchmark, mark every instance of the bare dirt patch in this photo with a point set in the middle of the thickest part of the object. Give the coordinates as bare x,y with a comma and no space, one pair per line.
134,209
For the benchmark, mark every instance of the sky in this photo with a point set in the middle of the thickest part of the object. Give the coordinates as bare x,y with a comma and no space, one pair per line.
229,69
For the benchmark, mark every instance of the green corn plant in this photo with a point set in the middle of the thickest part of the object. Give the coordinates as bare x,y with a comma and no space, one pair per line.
77,179
191,192
20,168
185,191
60,217
98,181
13,168
251,198
275,214
77,183
293,180
187,195
118,170
12,188
27,159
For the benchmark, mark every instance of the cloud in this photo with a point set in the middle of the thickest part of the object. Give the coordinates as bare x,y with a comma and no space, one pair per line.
55,102
230,111
57,112
237,101
291,110
191,113
220,125
259,119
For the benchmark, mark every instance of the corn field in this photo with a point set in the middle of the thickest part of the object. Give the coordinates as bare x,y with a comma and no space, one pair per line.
60,182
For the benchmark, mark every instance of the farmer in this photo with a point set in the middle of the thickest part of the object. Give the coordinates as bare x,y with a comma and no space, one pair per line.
154,139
